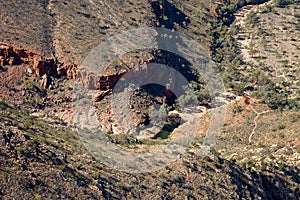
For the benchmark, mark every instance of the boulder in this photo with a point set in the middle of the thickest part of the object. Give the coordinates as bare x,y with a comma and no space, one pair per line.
2,61
101,94
45,82
11,61
68,70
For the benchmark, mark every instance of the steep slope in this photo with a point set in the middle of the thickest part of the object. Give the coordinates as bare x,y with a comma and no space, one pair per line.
27,24
269,38
37,162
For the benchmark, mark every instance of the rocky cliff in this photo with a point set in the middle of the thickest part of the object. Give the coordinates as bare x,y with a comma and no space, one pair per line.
10,55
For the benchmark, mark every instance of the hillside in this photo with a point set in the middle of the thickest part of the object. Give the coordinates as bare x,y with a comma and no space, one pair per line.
254,154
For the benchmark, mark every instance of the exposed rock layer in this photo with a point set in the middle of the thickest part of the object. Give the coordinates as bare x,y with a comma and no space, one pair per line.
10,55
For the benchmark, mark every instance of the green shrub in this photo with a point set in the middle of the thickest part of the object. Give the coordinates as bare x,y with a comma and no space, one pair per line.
297,15
95,175
281,166
61,167
215,152
3,105
283,3
281,126
236,108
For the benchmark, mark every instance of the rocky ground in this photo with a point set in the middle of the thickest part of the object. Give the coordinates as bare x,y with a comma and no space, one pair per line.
256,155
269,38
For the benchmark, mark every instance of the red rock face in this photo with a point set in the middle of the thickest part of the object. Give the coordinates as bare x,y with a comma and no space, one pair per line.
10,55
19,56
68,70
44,66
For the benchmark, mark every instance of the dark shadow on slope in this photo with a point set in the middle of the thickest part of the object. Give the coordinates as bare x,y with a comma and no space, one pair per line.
266,184
168,15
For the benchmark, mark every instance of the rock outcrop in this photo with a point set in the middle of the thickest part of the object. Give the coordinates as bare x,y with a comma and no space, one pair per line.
44,66
13,56
68,70
10,55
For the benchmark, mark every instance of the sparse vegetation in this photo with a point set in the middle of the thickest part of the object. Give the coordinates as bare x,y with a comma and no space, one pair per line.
42,156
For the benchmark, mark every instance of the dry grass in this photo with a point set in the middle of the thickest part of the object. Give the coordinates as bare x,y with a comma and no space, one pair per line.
269,38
